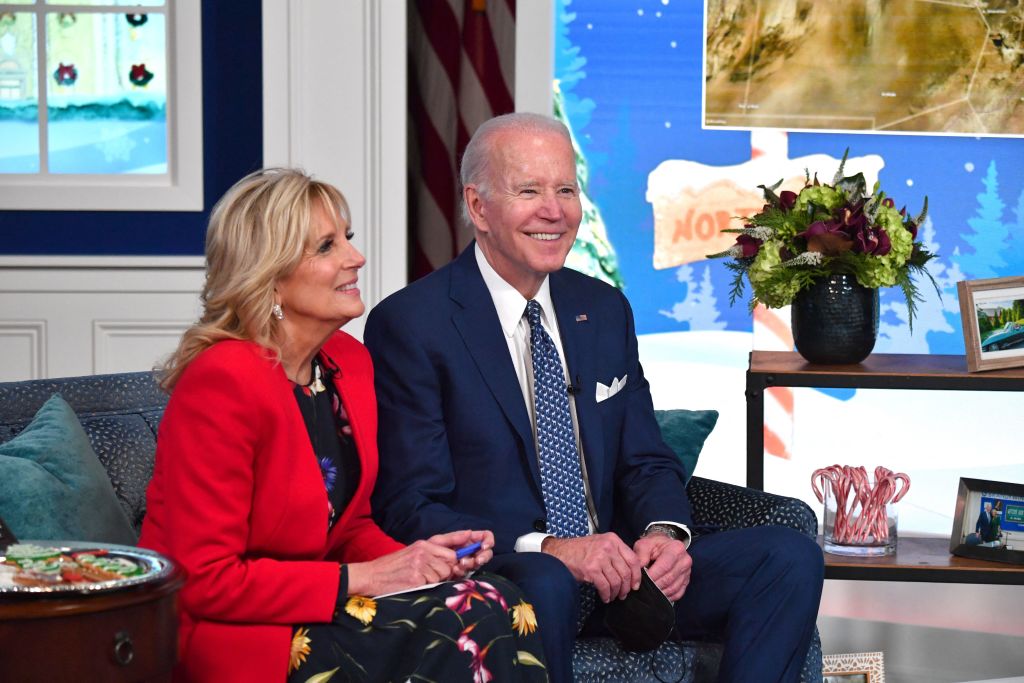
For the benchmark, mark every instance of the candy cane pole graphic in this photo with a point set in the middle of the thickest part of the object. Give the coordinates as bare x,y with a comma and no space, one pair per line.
771,326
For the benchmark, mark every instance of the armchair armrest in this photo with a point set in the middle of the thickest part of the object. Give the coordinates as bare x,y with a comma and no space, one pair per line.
717,505
720,506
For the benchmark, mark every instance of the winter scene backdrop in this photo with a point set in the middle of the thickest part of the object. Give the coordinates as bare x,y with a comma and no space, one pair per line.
658,188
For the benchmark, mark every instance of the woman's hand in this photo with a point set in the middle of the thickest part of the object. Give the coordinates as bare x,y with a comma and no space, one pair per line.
423,562
460,539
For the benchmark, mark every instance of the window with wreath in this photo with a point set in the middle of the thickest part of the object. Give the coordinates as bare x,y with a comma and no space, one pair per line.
88,100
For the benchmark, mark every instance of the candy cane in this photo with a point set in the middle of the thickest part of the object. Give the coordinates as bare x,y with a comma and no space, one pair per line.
861,506
826,475
906,486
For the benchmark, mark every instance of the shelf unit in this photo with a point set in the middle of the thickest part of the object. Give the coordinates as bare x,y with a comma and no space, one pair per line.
916,559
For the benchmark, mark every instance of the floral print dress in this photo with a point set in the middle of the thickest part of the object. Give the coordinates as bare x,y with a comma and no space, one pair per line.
476,630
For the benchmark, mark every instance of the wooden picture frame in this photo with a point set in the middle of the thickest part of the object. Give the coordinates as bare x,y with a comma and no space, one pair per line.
992,314
860,667
1003,539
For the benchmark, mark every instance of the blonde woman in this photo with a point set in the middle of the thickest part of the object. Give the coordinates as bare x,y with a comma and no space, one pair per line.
265,462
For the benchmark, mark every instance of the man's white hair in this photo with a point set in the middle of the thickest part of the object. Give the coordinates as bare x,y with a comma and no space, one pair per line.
476,160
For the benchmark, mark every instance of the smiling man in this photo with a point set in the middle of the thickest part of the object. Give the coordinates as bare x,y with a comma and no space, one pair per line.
511,398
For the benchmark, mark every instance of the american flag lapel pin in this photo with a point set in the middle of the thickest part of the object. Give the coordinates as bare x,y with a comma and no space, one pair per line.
581,318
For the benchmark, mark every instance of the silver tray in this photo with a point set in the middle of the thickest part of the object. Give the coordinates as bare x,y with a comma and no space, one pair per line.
155,567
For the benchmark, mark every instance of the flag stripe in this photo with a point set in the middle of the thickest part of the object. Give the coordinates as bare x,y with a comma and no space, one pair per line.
482,53
473,107
432,81
501,15
440,26
441,248
461,66
436,180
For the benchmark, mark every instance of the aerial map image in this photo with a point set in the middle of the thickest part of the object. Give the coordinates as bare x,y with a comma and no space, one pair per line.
912,66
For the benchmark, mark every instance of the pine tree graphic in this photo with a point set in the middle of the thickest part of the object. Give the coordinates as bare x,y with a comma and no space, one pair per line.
699,308
990,234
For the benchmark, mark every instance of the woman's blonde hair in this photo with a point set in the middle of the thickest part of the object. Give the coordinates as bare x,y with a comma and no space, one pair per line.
259,232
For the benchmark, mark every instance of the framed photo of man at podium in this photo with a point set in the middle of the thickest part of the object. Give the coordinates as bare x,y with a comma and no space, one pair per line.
988,523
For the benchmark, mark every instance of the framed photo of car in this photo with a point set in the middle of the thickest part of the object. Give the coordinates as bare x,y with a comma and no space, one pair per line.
988,523
992,312
860,667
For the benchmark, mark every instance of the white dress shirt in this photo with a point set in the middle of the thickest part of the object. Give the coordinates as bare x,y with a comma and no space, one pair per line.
511,308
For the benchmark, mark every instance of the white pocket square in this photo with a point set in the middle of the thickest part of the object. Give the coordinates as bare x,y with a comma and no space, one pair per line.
607,391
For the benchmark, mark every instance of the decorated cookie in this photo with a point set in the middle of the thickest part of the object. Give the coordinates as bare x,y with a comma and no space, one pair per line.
20,553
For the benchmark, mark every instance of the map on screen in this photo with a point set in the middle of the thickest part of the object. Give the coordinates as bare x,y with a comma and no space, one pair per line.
910,66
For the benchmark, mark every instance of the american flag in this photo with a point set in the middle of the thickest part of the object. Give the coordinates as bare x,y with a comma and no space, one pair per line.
461,73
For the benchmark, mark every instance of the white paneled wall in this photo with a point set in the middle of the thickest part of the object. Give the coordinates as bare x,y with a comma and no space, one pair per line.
22,349
65,317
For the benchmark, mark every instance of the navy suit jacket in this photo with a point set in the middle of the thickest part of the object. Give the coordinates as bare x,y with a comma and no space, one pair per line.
456,442
984,527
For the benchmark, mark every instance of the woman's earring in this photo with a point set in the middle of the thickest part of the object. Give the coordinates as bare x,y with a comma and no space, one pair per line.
277,312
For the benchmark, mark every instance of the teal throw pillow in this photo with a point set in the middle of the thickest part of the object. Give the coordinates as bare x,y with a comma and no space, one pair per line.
684,431
52,485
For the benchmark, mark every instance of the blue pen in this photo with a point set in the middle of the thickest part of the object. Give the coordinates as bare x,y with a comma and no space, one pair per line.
468,550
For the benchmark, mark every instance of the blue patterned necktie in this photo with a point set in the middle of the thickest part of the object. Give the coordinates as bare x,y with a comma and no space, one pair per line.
561,477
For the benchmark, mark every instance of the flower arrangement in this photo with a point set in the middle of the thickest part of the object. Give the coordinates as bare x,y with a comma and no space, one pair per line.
799,238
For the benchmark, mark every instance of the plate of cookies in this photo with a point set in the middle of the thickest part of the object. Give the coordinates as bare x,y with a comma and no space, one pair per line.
64,566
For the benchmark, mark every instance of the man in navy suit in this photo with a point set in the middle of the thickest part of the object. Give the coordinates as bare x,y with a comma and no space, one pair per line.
459,438
984,528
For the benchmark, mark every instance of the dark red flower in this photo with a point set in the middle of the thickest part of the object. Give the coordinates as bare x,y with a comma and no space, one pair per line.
749,244
787,200
873,241
852,218
828,238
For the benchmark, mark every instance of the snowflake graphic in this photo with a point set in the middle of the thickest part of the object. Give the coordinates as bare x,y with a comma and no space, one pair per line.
116,147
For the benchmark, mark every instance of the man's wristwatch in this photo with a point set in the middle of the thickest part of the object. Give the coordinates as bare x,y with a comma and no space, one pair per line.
667,529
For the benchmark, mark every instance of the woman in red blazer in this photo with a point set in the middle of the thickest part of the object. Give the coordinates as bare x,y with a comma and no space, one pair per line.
266,458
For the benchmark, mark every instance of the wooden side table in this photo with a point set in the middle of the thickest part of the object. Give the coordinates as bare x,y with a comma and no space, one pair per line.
119,636
916,559
877,371
922,560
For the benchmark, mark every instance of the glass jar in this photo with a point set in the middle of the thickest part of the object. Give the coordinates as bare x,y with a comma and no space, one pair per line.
859,530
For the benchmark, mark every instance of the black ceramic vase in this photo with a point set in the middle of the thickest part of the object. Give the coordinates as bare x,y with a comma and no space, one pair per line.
835,321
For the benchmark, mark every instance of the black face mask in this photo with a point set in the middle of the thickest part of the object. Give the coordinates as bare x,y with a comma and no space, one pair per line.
644,619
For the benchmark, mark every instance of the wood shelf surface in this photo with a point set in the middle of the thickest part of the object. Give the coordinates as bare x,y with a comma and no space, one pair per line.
922,559
879,364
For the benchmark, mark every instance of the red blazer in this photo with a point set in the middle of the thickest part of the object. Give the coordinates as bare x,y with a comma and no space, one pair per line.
237,500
